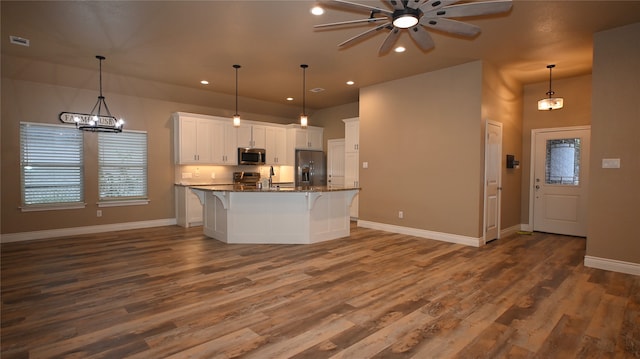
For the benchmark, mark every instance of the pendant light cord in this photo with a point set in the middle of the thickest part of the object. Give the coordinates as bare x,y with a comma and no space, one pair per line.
304,86
236,67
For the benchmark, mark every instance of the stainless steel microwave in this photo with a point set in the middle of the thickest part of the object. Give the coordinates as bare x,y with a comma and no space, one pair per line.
252,156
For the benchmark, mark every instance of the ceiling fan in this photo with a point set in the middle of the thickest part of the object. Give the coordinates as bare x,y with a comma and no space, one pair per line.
415,16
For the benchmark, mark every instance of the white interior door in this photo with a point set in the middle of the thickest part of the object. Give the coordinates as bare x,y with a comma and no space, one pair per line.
493,179
335,162
559,180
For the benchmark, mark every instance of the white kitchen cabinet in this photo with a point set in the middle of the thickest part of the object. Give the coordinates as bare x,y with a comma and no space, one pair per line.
225,146
352,158
192,139
310,138
276,145
251,136
188,207
351,134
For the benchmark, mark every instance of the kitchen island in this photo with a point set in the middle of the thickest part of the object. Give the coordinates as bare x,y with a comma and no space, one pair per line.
288,215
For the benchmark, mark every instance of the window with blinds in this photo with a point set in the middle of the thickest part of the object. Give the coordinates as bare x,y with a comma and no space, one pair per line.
51,164
122,159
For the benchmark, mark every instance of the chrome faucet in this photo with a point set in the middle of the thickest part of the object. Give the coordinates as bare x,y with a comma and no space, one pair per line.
271,174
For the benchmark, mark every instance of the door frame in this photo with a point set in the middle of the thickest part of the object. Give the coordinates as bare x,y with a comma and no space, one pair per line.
532,161
499,190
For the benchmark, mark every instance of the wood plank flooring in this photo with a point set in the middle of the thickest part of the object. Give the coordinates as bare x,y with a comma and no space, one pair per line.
170,292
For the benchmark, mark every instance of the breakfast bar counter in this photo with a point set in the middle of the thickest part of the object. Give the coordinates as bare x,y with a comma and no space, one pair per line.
287,215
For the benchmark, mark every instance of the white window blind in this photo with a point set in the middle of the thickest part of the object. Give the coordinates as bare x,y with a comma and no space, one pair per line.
51,163
122,159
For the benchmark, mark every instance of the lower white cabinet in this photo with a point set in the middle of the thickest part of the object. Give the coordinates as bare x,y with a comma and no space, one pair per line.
188,208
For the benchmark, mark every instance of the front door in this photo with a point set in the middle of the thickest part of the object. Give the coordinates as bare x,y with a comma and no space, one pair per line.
560,179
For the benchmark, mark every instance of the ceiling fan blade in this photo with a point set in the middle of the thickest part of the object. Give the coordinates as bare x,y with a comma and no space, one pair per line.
396,4
360,7
389,41
471,9
435,4
421,37
351,22
451,26
364,34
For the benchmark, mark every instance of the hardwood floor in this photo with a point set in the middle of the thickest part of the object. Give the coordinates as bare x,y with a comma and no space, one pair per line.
171,292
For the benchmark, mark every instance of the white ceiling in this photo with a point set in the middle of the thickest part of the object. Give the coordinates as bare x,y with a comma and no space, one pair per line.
183,42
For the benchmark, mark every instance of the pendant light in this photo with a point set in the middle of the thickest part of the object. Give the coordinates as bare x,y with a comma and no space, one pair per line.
236,116
95,121
304,119
550,103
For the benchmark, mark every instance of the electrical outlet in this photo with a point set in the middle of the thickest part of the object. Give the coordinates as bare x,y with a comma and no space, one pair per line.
197,174
213,175
186,175
400,214
99,213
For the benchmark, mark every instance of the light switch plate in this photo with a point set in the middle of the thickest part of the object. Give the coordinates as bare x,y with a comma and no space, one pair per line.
365,164
187,175
610,163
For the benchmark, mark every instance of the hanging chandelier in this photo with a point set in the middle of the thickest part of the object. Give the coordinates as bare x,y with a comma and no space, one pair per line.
304,119
550,103
95,121
236,116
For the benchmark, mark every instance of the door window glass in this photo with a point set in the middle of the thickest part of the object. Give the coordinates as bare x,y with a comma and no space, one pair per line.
563,162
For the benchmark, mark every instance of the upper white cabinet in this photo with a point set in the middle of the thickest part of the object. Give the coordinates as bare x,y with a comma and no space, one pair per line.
252,136
224,147
201,139
192,138
276,146
309,138
351,134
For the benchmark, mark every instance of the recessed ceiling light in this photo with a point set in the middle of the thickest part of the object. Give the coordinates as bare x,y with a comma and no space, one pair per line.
350,83
289,98
204,82
317,10
399,49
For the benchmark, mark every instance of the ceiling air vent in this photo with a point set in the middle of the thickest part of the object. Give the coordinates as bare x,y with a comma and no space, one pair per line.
317,89
17,40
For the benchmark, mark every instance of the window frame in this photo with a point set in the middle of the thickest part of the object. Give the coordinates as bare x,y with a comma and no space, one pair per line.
26,162
125,200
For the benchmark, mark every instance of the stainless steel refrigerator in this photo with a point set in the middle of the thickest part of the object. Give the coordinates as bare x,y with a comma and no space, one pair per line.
311,169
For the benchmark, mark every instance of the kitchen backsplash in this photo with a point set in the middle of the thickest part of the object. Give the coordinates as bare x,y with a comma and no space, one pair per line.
196,175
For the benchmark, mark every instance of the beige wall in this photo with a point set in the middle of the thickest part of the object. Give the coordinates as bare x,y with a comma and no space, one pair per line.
614,194
576,92
421,138
39,102
502,102
331,120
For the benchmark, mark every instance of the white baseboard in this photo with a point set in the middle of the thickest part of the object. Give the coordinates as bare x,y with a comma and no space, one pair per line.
51,233
612,265
526,227
511,230
422,233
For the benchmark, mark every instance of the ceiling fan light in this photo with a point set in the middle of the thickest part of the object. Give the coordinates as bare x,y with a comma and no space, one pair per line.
405,21
550,103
